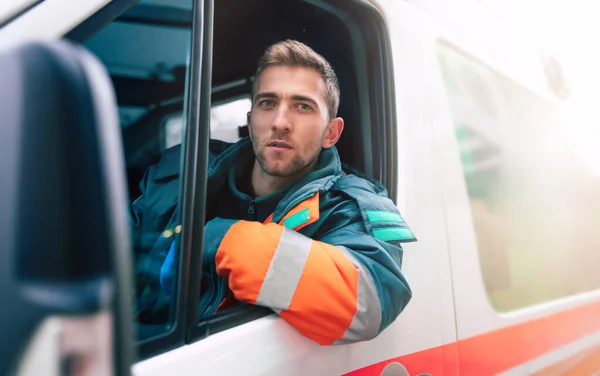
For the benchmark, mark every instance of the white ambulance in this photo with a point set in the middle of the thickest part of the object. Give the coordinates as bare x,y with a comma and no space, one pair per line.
463,119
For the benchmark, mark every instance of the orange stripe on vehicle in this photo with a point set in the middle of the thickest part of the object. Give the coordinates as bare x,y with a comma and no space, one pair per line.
500,350
237,261
582,364
526,341
312,204
590,365
421,362
326,293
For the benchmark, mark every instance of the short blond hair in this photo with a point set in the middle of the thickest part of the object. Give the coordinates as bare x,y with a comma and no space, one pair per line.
295,54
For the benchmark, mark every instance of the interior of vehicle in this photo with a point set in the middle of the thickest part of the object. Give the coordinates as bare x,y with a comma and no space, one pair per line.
147,50
149,75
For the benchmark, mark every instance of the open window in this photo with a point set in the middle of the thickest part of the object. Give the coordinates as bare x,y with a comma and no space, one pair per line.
351,35
159,56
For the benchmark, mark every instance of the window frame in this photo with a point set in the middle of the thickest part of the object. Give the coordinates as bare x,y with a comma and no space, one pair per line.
368,26
193,186
99,20
195,152
378,103
193,169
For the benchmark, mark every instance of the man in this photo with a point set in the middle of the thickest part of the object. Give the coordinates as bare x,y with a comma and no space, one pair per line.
286,228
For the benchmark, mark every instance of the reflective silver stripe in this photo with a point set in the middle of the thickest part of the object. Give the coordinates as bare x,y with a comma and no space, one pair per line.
367,318
285,270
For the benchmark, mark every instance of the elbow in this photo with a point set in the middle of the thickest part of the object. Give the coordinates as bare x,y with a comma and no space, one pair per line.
375,317
394,303
367,321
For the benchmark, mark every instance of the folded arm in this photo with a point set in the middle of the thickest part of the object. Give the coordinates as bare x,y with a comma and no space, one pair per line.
345,287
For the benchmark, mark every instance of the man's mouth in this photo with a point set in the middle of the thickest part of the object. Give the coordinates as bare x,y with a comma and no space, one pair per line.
279,145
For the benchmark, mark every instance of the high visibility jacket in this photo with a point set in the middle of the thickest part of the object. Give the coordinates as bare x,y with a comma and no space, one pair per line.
328,260
155,223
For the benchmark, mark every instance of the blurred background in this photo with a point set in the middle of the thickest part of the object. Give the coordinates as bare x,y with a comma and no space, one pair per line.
568,29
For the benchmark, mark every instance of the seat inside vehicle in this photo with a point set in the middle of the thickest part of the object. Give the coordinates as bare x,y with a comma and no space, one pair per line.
151,94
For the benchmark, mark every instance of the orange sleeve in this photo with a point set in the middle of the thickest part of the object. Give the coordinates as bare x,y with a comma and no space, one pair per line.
314,286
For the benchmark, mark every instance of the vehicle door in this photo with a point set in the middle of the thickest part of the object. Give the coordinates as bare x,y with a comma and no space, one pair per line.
518,193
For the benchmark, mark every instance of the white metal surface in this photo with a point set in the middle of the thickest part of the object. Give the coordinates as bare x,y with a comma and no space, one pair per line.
42,355
49,20
428,260
87,338
439,216
449,299
10,8
483,38
475,315
560,354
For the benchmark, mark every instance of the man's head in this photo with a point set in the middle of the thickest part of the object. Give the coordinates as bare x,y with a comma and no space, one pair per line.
295,98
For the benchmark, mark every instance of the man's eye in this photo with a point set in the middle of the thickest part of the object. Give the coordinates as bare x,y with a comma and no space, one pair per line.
304,107
266,103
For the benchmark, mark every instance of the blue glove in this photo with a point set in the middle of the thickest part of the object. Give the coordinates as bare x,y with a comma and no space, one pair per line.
168,270
213,287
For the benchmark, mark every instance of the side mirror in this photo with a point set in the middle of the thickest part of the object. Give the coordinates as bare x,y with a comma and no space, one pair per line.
65,257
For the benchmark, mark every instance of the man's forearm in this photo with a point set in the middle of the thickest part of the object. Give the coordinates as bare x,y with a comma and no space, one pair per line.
320,289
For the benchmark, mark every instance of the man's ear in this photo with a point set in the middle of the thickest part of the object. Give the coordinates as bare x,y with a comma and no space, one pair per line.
333,132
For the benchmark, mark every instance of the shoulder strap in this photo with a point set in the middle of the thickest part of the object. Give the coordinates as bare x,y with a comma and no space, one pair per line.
381,217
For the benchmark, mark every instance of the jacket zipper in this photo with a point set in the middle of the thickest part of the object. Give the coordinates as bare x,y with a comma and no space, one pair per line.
251,207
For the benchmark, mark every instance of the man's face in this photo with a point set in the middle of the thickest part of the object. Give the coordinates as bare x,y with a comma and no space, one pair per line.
289,120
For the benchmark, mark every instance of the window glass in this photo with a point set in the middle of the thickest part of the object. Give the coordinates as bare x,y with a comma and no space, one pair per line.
185,4
147,64
128,115
173,130
225,119
533,181
225,122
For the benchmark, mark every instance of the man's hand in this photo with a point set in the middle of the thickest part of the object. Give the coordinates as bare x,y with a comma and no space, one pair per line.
214,288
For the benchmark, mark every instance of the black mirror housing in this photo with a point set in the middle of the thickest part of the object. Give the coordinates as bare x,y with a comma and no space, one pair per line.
64,229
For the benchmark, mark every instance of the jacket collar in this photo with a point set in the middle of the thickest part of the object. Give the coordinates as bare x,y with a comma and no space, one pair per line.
326,171
169,164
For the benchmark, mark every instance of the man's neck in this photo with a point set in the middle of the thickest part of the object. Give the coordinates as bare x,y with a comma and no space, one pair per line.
264,184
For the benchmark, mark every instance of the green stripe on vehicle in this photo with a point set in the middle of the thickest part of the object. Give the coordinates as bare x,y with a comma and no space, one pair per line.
297,219
393,233
376,216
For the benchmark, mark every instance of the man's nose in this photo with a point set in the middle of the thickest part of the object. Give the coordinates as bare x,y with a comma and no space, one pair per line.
282,121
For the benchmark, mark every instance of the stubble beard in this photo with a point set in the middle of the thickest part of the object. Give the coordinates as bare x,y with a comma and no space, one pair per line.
294,167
